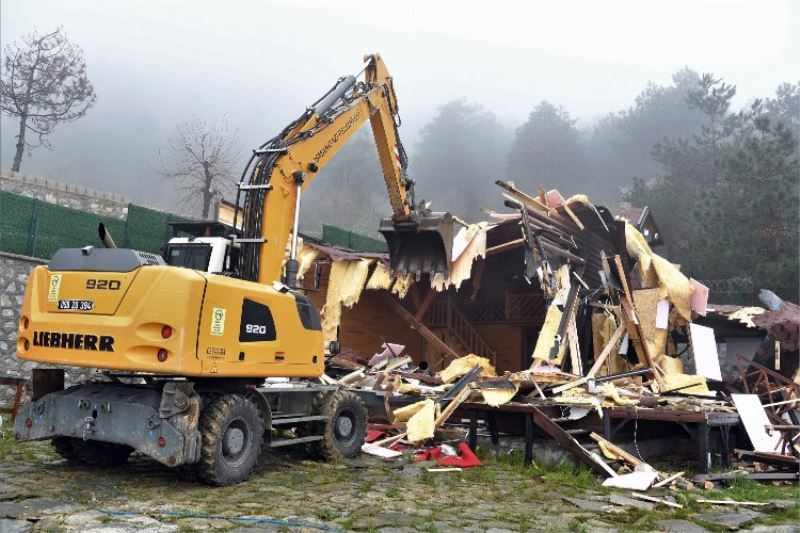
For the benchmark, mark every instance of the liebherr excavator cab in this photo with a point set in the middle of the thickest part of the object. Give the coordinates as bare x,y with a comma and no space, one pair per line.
186,344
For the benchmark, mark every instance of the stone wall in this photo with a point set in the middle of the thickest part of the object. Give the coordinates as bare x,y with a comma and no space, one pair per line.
65,194
14,271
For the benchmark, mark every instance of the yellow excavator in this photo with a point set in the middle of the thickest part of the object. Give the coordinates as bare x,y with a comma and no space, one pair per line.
196,347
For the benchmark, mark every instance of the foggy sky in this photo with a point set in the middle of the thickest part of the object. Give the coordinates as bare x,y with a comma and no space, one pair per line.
261,63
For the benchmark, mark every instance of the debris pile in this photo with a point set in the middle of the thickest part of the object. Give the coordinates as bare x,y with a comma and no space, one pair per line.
624,335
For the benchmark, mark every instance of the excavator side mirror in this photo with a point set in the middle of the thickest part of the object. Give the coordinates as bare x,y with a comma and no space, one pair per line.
334,348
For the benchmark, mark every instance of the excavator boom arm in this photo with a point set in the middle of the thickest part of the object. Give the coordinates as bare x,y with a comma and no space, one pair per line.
286,166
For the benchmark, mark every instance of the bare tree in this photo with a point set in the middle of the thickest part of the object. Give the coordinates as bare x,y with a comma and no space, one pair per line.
44,83
201,161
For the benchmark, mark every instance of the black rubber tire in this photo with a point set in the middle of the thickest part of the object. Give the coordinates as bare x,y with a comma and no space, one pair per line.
229,420
345,428
64,448
91,452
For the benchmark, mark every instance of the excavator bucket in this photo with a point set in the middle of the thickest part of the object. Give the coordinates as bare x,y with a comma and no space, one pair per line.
420,246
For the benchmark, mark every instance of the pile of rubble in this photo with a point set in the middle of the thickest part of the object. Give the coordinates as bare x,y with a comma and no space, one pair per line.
622,338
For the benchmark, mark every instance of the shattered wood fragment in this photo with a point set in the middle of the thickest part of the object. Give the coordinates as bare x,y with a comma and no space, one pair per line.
516,194
463,365
668,480
421,425
423,378
646,302
306,255
656,500
497,393
657,271
617,451
574,348
472,243
345,284
547,336
381,278
402,414
402,284
597,364
733,502
353,377
568,442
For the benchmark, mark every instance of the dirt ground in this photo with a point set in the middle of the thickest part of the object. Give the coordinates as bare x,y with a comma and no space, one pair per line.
40,492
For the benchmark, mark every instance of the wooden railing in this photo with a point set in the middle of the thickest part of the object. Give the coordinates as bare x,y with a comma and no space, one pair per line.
468,335
444,314
524,306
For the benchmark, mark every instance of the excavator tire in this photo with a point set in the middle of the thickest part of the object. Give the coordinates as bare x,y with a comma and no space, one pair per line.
345,427
91,452
231,430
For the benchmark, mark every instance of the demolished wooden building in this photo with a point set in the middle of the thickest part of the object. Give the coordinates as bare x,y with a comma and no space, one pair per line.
495,310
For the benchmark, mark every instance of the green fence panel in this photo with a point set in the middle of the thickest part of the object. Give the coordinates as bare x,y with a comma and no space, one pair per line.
350,240
37,228
15,222
148,229
55,227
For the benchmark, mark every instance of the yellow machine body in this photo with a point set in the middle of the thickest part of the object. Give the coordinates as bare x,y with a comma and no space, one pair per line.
218,326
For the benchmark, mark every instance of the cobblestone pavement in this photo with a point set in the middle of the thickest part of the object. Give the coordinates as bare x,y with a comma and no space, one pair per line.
40,492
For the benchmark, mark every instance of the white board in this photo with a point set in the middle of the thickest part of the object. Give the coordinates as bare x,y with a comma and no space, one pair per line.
754,418
662,314
634,480
704,347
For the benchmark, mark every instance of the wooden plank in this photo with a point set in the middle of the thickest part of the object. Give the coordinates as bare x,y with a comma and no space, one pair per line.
419,327
634,329
574,347
656,500
567,441
574,217
500,248
425,305
597,363
524,199
668,480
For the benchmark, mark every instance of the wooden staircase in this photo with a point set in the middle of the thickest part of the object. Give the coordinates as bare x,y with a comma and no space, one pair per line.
444,314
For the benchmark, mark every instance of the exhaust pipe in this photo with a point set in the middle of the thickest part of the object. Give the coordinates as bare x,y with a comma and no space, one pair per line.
105,236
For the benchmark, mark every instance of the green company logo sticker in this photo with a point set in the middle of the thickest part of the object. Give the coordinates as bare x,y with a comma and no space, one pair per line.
218,321
55,284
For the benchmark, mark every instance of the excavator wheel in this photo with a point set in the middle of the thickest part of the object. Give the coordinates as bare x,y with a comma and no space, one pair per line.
91,452
231,430
345,428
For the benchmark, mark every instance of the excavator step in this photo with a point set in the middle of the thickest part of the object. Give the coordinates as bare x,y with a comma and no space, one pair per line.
290,442
297,420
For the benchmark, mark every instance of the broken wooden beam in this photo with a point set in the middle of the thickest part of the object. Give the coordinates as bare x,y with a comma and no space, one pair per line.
568,442
418,326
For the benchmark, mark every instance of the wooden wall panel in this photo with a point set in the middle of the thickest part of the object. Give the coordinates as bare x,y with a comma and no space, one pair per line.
507,341
364,327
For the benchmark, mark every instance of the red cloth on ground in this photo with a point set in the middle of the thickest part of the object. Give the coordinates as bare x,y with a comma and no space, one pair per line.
374,434
467,459
430,453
